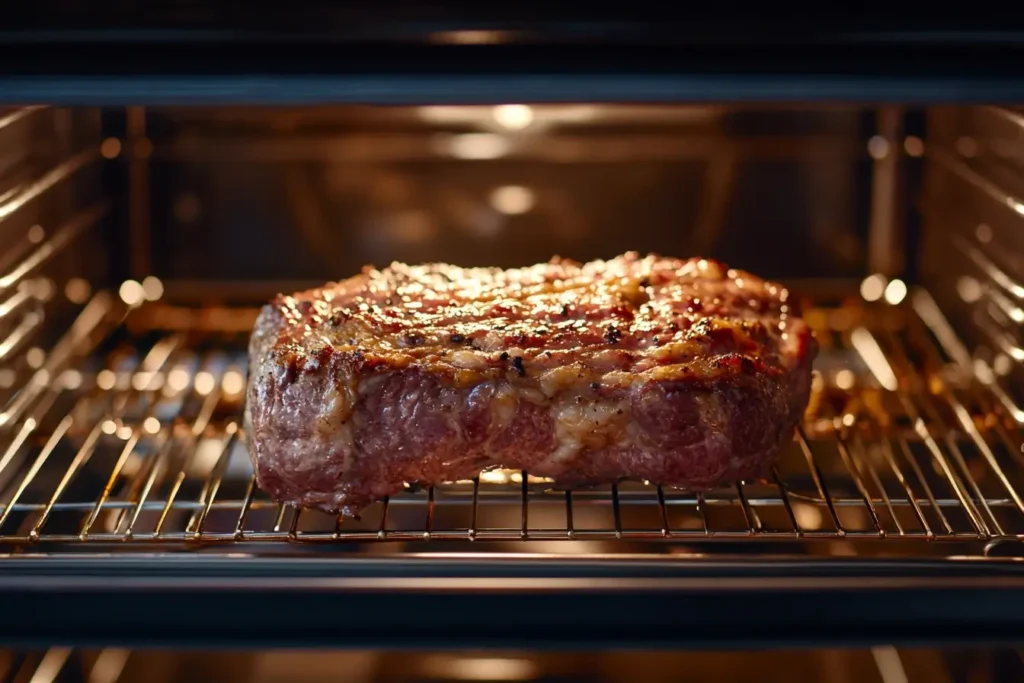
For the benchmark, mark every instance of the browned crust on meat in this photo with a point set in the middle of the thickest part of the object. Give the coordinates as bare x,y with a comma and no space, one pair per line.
685,373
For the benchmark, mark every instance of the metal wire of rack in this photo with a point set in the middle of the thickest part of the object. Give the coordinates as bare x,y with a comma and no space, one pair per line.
63,663
144,444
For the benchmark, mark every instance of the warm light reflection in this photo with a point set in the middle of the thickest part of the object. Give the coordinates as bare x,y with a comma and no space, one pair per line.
874,357
131,292
512,200
914,146
845,379
177,379
513,116
35,357
233,382
969,289
77,290
895,292
106,380
152,288
71,379
110,148
878,147
477,146
873,287
204,383
479,668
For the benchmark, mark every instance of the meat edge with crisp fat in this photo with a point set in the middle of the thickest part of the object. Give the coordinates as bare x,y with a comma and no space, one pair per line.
336,430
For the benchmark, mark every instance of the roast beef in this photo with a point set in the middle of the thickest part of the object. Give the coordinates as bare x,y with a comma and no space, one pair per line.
679,372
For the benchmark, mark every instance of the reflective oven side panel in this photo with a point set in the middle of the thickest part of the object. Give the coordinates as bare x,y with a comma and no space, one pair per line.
972,255
53,251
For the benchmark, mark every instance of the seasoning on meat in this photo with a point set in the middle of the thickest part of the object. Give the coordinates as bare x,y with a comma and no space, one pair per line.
696,383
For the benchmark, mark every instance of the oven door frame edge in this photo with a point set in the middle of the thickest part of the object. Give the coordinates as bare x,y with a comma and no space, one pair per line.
497,601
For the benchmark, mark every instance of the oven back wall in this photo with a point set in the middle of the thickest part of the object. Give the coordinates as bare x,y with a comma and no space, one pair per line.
309,195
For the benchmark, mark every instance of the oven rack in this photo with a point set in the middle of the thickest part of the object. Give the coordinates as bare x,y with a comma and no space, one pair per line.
143,444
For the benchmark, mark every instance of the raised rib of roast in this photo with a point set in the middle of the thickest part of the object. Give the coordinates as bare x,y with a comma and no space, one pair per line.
683,373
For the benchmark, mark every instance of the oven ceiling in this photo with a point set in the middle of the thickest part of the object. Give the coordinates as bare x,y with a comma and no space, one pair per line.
405,53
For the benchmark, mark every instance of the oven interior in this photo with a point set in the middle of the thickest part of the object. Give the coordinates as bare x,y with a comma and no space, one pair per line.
137,244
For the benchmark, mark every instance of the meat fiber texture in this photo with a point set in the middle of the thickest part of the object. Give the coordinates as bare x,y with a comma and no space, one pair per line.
680,372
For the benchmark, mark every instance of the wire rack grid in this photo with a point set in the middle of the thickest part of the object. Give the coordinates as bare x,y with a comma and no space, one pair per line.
144,444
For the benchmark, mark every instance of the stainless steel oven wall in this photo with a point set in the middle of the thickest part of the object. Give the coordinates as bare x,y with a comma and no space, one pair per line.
972,255
286,195
53,253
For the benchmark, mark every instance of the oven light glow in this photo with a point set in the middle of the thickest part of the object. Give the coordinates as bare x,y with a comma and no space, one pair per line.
110,148
151,425
7,378
71,379
513,116
480,668
444,114
205,383
177,379
233,382
131,292
873,287
109,427
969,289
512,200
477,146
878,147
36,234
152,288
914,146
124,432
77,290
35,357
480,37
967,147
106,380
895,292
845,379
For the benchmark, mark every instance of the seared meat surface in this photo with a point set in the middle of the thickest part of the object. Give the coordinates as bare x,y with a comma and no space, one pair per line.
680,372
